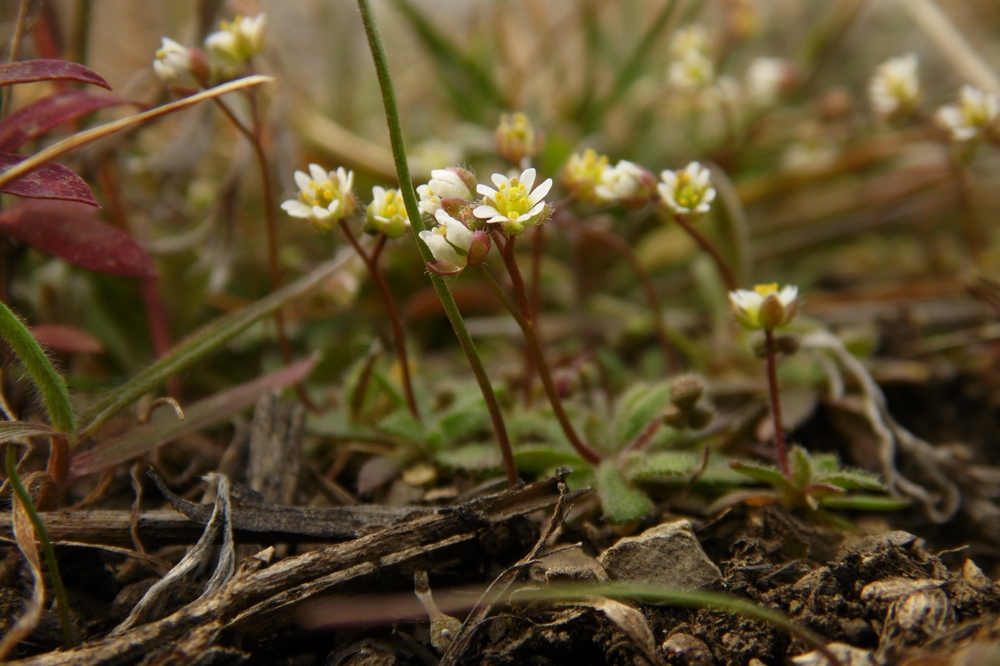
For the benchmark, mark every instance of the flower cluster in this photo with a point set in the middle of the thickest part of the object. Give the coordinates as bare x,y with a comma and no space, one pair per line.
224,55
766,307
894,90
625,182
324,198
691,68
687,192
449,188
973,116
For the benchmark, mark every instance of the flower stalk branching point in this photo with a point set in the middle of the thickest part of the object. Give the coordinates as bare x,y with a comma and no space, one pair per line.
767,308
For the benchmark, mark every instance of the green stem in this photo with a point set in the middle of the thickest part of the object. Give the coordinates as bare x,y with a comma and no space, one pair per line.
772,385
417,225
43,536
398,337
535,349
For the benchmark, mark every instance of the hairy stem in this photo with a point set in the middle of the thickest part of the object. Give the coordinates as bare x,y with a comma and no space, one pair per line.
527,325
417,225
24,497
772,384
398,337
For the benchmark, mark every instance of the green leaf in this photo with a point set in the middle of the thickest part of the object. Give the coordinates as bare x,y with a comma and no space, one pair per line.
855,479
402,424
539,459
801,467
768,474
661,465
637,408
464,421
621,502
49,382
863,502
477,457
201,343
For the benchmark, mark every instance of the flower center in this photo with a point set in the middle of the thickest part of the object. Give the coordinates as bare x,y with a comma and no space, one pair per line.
765,289
319,194
512,199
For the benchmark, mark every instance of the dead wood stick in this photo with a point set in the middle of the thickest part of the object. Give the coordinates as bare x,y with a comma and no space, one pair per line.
251,587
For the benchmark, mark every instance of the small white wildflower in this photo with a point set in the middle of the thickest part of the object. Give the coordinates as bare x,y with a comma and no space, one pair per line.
514,204
324,198
178,65
453,183
687,192
894,90
625,182
692,72
238,40
974,114
454,245
765,77
386,213
582,173
765,308
689,39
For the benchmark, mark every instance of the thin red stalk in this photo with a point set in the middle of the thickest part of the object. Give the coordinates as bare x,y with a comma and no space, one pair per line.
524,320
398,337
649,291
534,304
642,439
253,136
725,272
772,385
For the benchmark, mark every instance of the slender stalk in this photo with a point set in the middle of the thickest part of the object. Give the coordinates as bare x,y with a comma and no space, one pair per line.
725,272
535,302
772,384
417,225
24,497
973,226
535,349
254,137
398,337
648,289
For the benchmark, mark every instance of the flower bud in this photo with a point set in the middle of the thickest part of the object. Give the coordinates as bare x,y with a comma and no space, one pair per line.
686,390
516,138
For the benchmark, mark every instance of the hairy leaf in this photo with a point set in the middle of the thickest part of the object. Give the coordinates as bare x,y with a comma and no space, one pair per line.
660,465
32,71
476,457
621,502
637,408
20,429
538,459
71,232
50,181
40,116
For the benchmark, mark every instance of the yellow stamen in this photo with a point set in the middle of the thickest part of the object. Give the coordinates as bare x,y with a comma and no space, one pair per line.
765,289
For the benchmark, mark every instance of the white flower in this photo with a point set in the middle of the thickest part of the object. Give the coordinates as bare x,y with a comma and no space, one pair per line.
238,41
626,182
450,183
513,205
449,242
692,72
324,198
175,64
765,308
689,39
765,78
975,113
386,213
687,192
895,88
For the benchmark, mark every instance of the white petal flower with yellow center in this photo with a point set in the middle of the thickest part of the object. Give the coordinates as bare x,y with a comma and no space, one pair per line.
766,307
895,88
687,192
625,182
514,204
451,183
449,242
175,64
238,40
324,198
974,114
386,213
582,173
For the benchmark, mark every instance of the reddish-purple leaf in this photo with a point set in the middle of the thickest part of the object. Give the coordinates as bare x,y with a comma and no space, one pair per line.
30,71
71,232
49,181
164,427
66,339
42,115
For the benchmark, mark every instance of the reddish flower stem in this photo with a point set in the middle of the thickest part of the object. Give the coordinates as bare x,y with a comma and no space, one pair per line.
725,272
772,384
398,337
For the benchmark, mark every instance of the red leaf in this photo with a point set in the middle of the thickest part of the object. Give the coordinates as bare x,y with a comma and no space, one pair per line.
66,339
50,181
30,71
71,232
44,114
